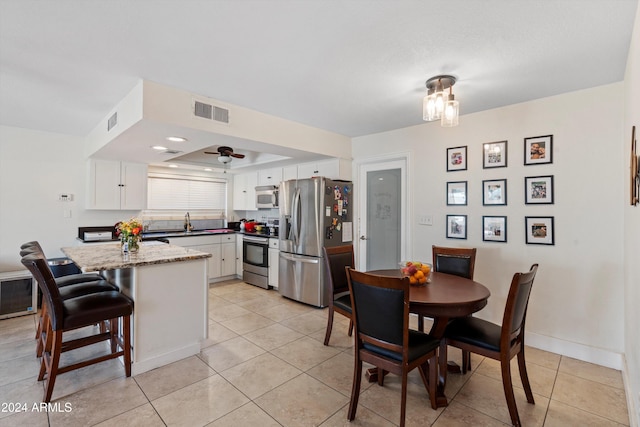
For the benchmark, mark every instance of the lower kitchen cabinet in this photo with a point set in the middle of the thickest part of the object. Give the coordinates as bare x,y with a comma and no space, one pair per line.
239,256
222,263
274,255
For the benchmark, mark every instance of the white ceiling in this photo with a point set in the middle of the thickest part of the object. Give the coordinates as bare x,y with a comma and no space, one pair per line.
352,67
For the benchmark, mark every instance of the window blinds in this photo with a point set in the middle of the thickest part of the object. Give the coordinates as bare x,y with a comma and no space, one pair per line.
186,193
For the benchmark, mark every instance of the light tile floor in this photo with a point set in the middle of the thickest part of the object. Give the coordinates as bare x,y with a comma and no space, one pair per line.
264,365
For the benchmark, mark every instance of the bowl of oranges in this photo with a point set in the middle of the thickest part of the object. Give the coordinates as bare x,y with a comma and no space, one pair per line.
417,272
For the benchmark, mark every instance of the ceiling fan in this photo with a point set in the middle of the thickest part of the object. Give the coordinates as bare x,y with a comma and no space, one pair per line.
225,154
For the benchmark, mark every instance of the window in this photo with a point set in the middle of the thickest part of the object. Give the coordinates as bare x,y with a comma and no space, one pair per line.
181,192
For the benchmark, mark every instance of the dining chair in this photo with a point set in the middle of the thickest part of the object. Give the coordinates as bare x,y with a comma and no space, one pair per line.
459,262
501,343
335,261
75,313
383,338
69,286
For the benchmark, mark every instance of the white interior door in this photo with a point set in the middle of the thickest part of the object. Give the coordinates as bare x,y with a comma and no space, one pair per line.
383,212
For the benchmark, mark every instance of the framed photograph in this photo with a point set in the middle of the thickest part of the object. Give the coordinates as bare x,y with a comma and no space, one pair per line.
494,154
456,226
538,150
538,190
494,228
457,193
539,230
457,159
494,192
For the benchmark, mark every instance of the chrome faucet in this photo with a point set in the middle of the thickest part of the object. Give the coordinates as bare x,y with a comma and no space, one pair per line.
187,222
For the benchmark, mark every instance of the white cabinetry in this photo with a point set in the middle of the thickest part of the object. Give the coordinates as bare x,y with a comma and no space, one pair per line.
332,169
274,255
244,191
117,185
222,248
289,172
270,176
228,255
239,256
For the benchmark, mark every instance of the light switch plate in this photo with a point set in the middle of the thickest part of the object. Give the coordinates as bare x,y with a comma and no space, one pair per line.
425,220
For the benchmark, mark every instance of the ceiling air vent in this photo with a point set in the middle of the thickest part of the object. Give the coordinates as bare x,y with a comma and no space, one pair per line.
113,120
211,112
171,152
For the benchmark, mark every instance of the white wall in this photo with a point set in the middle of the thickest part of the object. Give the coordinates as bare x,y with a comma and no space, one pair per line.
632,231
35,167
576,306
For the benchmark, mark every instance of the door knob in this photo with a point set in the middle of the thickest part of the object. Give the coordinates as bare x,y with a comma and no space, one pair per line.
363,238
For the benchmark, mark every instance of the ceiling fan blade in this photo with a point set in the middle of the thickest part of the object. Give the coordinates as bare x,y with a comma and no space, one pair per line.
237,156
210,152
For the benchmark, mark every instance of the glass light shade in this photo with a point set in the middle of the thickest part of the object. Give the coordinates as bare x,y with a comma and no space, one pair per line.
450,114
429,108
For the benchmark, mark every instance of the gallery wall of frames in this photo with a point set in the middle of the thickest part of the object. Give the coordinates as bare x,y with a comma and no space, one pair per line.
538,190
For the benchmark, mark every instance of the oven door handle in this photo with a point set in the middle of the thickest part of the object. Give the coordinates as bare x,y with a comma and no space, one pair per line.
260,240
298,258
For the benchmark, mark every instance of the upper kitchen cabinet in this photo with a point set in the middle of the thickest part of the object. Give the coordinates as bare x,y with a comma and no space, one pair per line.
244,191
270,176
117,185
289,172
332,169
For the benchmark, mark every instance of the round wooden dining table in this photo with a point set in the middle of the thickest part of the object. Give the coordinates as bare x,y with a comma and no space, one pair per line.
445,296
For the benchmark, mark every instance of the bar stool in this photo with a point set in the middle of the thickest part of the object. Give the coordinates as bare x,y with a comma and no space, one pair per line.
71,286
73,313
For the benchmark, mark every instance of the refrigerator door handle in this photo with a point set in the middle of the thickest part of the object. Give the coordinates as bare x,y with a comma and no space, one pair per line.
296,217
290,257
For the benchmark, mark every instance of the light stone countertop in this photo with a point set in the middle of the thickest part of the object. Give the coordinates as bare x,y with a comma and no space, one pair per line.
110,257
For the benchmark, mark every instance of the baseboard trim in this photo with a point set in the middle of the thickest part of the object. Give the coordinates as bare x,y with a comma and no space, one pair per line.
599,356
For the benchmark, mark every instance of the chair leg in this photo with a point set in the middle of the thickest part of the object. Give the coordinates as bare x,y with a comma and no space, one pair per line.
522,367
113,332
327,334
381,376
403,398
466,361
54,359
126,334
355,389
420,323
350,327
508,391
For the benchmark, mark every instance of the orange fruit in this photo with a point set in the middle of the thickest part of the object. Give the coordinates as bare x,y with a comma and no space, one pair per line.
419,275
413,280
422,281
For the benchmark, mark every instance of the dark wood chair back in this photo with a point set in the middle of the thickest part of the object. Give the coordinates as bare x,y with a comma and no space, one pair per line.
335,260
37,265
381,313
458,261
515,311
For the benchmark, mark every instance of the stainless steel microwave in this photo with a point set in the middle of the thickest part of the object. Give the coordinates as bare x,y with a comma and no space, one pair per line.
267,197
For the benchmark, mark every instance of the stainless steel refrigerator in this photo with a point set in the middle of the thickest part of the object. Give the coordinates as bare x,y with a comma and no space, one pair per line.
314,212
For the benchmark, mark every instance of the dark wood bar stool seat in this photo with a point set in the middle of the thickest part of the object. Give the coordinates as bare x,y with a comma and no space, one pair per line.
73,313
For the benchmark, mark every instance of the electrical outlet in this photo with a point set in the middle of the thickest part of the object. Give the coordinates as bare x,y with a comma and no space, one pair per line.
426,220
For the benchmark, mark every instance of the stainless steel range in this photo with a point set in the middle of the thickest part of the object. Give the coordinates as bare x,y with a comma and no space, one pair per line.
256,260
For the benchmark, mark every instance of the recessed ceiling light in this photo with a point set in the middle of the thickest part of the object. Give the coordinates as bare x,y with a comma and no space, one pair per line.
159,147
208,169
176,139
173,166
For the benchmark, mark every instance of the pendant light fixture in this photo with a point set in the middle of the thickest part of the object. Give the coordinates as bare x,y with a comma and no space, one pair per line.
436,105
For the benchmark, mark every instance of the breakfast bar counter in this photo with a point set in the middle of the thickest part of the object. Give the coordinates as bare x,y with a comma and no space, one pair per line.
169,287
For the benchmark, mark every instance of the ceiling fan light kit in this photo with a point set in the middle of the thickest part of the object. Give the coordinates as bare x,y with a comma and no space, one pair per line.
224,159
436,105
